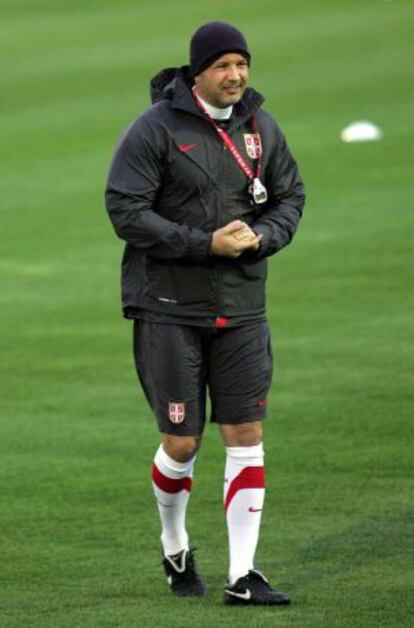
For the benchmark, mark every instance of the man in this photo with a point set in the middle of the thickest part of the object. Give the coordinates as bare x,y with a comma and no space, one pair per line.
203,189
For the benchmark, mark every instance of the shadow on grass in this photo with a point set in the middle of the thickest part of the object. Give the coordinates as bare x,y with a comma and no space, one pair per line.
361,545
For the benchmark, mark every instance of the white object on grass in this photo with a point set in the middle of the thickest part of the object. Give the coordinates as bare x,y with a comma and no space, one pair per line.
361,131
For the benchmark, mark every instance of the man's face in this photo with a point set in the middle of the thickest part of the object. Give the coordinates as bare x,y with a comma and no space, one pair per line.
223,83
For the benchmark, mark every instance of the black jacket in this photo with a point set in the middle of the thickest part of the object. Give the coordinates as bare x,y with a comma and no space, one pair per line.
172,183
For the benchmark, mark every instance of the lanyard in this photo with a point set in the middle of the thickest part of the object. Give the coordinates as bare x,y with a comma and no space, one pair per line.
226,139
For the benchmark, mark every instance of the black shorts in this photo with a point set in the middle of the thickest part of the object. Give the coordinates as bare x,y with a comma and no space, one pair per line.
178,364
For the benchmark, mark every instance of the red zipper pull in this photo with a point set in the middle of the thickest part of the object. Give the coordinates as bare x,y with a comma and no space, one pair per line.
221,321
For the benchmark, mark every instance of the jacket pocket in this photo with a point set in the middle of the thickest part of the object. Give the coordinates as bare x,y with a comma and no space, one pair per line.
243,287
180,283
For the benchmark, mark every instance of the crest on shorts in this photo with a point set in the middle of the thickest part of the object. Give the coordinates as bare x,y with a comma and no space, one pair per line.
253,145
176,412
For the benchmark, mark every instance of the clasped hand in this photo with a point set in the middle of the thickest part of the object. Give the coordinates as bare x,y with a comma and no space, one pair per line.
233,239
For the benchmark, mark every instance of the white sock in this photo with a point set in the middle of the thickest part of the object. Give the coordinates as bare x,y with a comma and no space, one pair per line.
244,489
172,482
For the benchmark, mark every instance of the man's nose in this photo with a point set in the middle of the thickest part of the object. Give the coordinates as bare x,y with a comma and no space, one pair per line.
233,73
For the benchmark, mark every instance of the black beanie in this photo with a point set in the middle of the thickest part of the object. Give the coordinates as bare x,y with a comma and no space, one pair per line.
211,41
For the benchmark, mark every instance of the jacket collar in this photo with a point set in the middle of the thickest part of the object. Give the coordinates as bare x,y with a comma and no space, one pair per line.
175,84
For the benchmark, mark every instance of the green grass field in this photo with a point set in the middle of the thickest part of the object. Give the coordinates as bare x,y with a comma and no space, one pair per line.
79,529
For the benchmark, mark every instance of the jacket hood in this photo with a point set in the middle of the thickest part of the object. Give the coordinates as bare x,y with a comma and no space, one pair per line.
164,84
176,83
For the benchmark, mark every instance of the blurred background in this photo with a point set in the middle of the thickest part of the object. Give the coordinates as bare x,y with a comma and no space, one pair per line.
79,526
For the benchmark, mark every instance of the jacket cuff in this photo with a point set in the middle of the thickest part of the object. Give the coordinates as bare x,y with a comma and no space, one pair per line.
264,231
200,245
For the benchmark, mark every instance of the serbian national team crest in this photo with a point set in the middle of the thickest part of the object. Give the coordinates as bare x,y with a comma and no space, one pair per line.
253,145
176,412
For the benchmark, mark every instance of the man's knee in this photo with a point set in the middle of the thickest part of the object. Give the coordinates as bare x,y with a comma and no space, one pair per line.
180,448
243,434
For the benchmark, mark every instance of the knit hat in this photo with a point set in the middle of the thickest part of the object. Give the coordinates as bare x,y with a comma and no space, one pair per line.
211,41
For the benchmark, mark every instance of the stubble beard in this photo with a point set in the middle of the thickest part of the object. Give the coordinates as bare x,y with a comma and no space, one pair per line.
229,99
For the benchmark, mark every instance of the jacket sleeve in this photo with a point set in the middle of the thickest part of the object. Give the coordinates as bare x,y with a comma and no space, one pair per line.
279,221
134,180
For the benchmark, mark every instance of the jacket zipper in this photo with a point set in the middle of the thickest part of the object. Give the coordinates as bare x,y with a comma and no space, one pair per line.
218,274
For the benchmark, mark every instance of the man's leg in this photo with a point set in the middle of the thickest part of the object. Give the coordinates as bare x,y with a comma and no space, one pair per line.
170,367
172,479
241,372
172,474
244,490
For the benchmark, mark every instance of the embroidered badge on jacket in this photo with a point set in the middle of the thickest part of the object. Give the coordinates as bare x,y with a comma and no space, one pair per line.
253,145
176,412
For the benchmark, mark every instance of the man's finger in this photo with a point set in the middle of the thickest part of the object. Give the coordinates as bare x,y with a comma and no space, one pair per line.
251,243
245,233
235,225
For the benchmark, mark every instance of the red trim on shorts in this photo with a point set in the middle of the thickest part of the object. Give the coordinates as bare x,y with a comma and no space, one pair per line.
249,477
168,485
